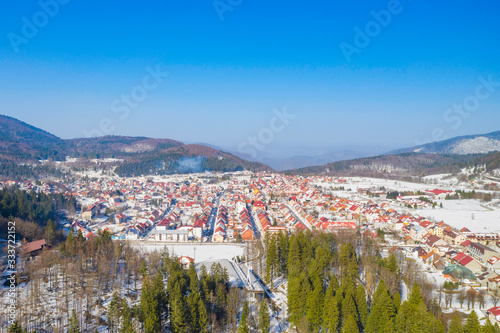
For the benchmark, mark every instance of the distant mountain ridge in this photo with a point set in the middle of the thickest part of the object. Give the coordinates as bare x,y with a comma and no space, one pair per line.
406,164
311,156
21,142
462,145
445,156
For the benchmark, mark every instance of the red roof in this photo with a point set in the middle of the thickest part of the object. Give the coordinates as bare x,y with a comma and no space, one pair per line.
438,192
495,311
465,261
34,246
466,243
459,256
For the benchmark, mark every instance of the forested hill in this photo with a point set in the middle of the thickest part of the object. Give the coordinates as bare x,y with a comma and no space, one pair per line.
187,159
407,164
21,143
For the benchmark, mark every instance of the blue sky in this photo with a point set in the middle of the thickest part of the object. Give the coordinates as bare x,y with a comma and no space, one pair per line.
225,77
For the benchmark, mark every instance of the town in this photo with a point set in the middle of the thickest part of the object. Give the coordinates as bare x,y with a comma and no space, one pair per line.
228,218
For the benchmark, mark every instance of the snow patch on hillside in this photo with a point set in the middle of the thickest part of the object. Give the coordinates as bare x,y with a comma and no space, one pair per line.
479,145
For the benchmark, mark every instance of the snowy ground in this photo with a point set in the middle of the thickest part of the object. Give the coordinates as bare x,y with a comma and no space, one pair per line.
200,252
354,183
471,214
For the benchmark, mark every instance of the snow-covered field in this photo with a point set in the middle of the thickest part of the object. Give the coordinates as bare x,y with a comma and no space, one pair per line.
200,252
354,183
466,213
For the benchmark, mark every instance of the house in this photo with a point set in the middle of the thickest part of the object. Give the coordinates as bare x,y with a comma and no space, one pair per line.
484,278
248,234
259,205
453,237
493,263
430,257
481,252
132,233
436,230
438,194
471,264
417,232
435,241
494,314
34,248
494,283
439,265
185,261
420,251
120,218
89,213
219,237
171,235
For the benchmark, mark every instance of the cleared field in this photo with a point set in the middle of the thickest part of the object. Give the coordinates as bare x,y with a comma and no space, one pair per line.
200,252
466,213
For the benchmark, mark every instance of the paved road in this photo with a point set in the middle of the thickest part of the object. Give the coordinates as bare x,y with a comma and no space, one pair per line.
298,217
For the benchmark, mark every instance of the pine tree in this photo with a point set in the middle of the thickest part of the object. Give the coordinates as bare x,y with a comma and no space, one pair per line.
79,237
194,317
149,308
397,300
348,262
16,328
361,305
489,328
282,244
413,315
294,257
243,324
350,325
415,297
70,242
382,312
178,312
436,326
472,324
74,325
50,232
331,313
202,316
455,325
264,321
314,308
193,278
114,311
349,307
126,325
392,263
294,298
158,289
